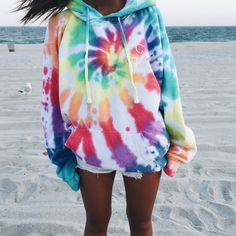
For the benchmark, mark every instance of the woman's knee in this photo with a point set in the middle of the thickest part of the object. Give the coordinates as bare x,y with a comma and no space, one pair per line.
139,224
98,216
138,221
98,224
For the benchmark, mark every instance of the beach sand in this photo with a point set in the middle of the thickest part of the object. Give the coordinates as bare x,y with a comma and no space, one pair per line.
199,200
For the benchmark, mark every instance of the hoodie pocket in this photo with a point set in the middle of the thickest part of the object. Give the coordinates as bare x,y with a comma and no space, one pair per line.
155,149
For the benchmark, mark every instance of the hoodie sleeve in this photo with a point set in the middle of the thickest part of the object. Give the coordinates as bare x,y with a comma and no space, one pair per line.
182,140
56,131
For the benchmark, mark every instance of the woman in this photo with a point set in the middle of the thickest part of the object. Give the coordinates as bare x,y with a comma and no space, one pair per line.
111,102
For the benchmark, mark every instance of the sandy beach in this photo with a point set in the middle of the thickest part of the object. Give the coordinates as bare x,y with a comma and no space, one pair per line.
200,200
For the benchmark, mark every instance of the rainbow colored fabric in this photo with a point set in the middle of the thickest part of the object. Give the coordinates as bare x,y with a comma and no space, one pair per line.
110,92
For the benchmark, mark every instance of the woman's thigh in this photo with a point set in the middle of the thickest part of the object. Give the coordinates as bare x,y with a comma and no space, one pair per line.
96,191
141,195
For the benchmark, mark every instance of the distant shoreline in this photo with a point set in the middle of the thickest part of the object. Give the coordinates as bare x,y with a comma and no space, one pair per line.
36,34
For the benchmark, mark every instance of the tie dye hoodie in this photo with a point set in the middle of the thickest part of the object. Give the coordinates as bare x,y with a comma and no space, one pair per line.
110,92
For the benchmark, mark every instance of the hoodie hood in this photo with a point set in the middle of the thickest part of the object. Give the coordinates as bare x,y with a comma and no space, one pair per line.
79,8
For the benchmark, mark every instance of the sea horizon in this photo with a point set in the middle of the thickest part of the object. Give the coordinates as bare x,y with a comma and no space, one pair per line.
36,34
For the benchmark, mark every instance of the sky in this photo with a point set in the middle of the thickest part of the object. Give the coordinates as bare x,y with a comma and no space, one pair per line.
175,12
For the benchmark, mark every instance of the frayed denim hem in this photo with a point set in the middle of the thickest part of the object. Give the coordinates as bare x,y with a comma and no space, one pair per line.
128,174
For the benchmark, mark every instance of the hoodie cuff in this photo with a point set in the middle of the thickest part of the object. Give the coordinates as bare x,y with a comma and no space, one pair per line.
70,175
66,163
172,166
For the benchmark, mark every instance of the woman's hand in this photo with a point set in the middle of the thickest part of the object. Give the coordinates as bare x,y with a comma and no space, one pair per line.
171,167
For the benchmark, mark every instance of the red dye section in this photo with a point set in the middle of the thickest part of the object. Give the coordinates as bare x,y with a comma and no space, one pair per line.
45,70
54,89
152,83
88,146
127,128
82,134
141,116
169,171
46,86
139,49
74,140
112,136
51,85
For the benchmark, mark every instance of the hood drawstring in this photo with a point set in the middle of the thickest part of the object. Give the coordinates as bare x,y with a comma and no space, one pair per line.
136,98
87,84
88,89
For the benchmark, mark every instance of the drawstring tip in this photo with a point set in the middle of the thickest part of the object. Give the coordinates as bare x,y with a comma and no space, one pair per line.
136,97
89,101
136,100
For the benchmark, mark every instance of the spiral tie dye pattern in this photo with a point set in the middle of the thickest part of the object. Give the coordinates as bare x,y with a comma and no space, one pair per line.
88,89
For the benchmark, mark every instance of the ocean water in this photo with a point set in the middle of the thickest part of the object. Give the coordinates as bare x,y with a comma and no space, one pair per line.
32,35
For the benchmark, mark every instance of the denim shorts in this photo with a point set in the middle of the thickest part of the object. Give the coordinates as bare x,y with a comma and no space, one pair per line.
98,170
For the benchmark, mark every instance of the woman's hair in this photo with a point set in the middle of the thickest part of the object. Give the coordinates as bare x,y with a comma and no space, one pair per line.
37,8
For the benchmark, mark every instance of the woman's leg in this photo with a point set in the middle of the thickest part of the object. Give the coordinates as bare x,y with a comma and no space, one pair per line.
140,198
96,191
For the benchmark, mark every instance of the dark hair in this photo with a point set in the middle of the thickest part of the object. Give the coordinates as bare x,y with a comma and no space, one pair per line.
37,8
